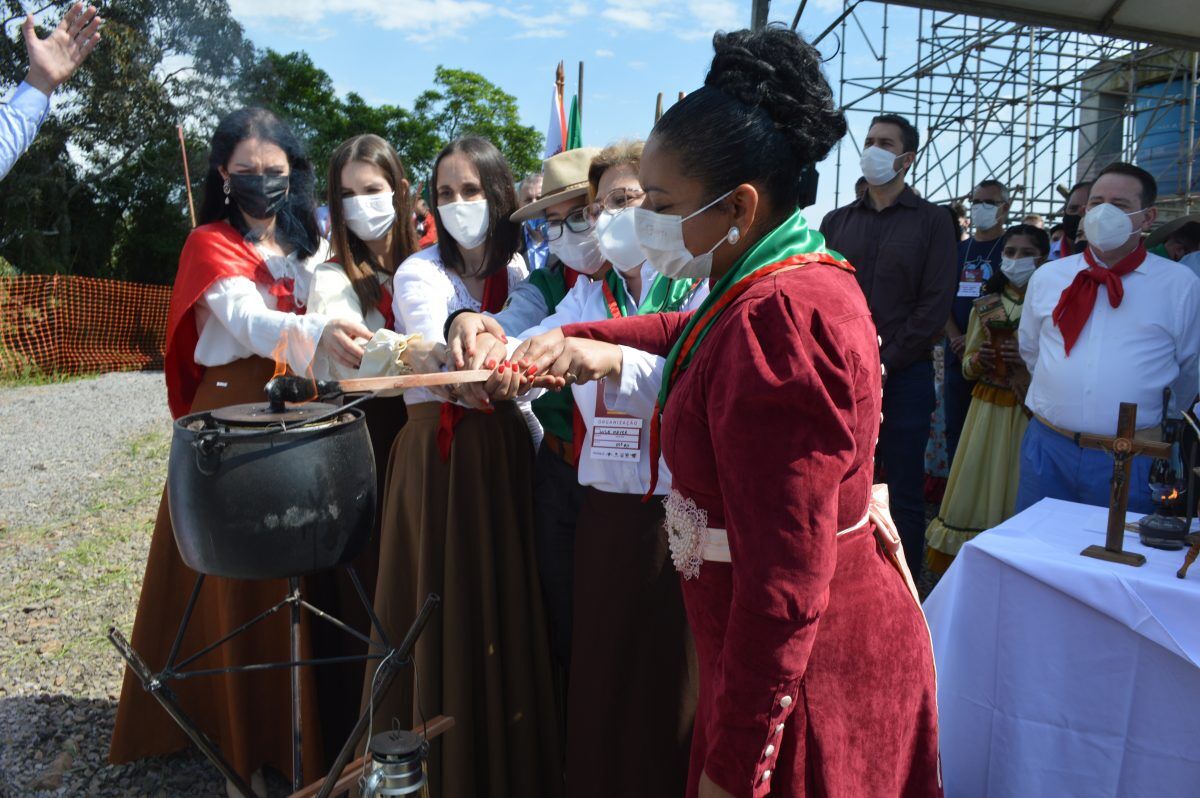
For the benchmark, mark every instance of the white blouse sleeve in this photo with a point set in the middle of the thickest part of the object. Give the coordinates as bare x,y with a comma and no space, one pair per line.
421,299
236,305
333,295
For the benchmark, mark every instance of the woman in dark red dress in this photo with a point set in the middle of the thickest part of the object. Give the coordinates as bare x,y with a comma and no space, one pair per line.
816,670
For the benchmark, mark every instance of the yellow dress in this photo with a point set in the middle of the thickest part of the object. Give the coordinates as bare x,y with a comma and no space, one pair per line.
982,488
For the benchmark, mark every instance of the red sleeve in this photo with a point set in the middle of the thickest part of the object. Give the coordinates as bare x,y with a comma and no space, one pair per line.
781,414
211,252
655,333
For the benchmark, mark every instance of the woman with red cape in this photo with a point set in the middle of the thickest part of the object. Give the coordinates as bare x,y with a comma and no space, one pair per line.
241,289
816,669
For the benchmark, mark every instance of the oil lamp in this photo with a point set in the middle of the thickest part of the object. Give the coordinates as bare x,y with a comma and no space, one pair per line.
397,765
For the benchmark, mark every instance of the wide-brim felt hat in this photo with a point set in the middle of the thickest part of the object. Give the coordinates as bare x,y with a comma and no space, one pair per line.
1161,234
564,177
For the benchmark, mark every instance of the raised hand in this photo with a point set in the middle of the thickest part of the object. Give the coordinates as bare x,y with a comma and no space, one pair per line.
54,59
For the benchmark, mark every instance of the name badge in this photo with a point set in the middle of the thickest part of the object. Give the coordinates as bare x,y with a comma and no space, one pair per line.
615,436
970,288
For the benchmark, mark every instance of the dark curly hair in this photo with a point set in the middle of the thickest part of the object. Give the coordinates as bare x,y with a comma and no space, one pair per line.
296,221
765,113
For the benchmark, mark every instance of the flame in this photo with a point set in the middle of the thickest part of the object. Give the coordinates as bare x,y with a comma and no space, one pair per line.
279,355
1172,496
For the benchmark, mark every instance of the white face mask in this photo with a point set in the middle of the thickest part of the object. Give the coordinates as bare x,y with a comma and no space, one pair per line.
660,236
1018,270
617,234
580,251
369,216
1107,227
466,222
878,165
984,216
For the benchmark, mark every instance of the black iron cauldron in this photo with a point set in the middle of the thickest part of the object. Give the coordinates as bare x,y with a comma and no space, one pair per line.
257,492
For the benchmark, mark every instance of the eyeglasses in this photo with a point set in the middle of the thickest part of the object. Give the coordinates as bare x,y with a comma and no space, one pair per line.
577,221
616,201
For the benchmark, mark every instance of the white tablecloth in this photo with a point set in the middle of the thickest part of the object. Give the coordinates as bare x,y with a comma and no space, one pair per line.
1061,675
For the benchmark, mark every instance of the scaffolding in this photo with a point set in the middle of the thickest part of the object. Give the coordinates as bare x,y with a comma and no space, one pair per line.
1034,107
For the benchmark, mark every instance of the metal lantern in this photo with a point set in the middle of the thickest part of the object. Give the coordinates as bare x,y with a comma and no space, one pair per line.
397,765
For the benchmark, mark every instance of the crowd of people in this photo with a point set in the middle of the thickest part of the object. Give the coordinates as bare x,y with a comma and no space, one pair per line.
666,565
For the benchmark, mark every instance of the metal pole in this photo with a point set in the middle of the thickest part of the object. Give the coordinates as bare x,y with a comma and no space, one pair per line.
759,12
580,104
1192,147
294,634
163,695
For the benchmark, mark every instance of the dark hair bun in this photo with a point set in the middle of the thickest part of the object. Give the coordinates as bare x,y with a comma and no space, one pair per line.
777,71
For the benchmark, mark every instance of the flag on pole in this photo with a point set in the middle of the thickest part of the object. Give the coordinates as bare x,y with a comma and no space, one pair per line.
574,126
556,132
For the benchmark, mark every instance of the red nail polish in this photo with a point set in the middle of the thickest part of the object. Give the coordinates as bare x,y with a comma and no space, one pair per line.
491,364
532,371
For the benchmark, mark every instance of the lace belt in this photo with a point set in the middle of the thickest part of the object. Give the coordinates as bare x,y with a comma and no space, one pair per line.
693,541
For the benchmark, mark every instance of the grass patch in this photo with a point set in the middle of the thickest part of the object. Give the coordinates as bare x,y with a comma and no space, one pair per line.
66,582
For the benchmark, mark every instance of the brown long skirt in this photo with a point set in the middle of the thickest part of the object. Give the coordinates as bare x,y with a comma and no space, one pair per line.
632,695
463,529
247,714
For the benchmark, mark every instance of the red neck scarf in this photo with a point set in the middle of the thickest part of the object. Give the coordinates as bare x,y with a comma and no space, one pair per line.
1077,301
283,289
384,306
495,295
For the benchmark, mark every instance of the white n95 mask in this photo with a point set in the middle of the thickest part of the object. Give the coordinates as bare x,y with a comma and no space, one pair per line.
660,235
580,251
617,235
1107,227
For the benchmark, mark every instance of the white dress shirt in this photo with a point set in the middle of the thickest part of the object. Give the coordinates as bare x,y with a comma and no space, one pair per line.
634,394
237,318
1124,354
20,118
425,293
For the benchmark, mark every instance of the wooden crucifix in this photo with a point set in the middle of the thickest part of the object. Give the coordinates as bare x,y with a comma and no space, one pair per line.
1123,449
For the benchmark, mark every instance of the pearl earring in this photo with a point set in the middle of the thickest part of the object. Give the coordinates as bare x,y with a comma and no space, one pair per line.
734,236
226,187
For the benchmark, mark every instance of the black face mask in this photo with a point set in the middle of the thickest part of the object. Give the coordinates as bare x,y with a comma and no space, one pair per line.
1070,223
259,196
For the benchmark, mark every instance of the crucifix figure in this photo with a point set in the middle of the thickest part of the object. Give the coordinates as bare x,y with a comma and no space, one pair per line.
1123,448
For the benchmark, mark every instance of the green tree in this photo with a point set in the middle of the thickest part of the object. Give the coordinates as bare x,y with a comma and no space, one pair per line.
101,192
465,103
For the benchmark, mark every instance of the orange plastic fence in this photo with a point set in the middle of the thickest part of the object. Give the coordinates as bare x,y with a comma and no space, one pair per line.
64,325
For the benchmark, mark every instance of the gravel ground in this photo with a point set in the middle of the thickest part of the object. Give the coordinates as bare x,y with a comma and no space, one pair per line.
82,466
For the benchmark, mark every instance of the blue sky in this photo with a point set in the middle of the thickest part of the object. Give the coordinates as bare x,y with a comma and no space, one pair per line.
632,49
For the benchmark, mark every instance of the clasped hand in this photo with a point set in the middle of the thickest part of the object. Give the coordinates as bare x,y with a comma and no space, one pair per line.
551,360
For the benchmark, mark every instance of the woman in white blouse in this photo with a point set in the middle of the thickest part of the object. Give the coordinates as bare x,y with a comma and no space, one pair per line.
240,295
458,516
371,233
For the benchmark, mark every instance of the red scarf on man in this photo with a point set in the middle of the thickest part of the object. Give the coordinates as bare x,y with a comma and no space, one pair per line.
1079,298
495,294
212,252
